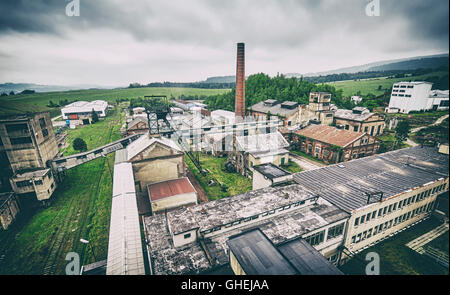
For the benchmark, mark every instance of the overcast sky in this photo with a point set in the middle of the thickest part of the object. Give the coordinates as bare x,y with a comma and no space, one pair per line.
116,42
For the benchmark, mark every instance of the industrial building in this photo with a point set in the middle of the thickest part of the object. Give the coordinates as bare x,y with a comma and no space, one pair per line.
269,175
319,109
287,112
194,240
138,125
171,193
384,193
409,96
222,117
81,111
257,149
9,208
153,159
360,119
438,100
333,145
252,253
27,145
125,256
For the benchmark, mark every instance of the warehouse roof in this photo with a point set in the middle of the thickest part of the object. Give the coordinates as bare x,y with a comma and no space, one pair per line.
261,142
330,134
356,114
124,246
85,106
275,108
306,259
346,184
169,188
258,256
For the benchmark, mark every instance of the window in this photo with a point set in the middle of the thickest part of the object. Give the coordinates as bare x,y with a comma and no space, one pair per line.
187,236
23,128
347,127
45,132
384,210
394,207
366,129
363,218
389,208
23,183
379,212
20,140
335,231
316,238
374,214
42,122
356,221
355,128
38,182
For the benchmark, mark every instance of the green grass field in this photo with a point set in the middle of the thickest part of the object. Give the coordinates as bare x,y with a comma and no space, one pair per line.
80,208
351,87
234,182
396,258
38,102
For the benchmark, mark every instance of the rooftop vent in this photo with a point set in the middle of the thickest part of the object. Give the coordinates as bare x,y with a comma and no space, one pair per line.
289,105
271,102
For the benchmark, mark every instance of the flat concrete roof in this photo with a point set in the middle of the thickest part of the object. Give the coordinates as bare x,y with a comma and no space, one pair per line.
271,171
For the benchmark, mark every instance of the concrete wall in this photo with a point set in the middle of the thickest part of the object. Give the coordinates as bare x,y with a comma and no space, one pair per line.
417,101
43,191
260,181
184,238
355,230
174,201
8,212
235,266
374,125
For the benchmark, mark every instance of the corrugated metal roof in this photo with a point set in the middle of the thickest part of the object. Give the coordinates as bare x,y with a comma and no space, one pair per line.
121,156
392,173
275,110
173,187
124,248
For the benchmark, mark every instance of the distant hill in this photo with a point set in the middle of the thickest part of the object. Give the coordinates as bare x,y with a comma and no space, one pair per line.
220,79
418,62
19,87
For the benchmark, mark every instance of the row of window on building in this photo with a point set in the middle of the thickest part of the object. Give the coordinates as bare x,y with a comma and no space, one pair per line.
403,86
401,95
318,238
393,222
399,205
264,214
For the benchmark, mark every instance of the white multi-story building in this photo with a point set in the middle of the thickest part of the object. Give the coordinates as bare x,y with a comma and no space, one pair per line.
409,96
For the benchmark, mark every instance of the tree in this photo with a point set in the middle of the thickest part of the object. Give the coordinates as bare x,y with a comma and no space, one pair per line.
12,93
401,131
79,145
94,116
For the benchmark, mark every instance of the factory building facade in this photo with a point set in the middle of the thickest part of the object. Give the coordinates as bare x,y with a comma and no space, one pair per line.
334,145
384,193
27,144
360,119
81,111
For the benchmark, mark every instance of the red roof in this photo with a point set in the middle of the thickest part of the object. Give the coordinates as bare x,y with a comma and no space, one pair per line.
330,134
165,189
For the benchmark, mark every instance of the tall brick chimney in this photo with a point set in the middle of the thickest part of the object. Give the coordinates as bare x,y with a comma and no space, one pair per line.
240,83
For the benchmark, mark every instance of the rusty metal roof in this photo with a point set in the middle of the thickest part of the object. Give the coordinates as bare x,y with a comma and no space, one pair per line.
330,134
173,187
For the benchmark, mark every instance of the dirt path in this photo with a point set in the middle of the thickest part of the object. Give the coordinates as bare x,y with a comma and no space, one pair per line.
201,192
410,142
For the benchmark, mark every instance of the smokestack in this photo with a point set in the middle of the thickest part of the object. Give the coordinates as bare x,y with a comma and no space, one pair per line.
240,83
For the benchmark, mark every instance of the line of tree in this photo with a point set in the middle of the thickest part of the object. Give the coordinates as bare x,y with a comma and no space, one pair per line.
61,103
260,87
202,85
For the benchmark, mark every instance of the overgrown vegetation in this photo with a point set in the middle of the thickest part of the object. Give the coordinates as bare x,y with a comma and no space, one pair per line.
80,208
219,183
396,258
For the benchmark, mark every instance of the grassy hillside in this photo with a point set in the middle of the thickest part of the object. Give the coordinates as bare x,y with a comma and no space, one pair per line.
371,85
37,243
37,102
